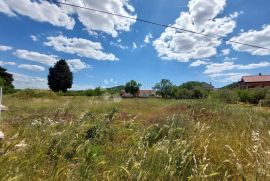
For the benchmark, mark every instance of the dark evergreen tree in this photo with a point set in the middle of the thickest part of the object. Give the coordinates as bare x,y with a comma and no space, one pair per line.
7,78
60,77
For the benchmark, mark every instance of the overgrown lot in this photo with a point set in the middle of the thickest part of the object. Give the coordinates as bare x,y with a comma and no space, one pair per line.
86,138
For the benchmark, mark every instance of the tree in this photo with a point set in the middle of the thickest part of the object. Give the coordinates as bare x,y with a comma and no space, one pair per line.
60,77
8,78
195,84
227,95
132,87
164,88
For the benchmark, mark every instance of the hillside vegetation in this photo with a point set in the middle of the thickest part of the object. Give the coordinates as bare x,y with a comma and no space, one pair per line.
87,138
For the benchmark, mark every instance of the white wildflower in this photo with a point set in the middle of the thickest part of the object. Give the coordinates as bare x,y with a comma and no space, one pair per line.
2,136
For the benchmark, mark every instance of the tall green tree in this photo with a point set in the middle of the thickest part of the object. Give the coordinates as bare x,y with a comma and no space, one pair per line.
132,87
7,77
164,88
6,80
60,77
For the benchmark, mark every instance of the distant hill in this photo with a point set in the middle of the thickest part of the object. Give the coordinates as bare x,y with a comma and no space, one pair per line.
234,85
116,89
191,84
207,86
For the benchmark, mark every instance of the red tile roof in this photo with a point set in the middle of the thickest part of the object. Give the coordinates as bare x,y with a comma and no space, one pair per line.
257,78
147,92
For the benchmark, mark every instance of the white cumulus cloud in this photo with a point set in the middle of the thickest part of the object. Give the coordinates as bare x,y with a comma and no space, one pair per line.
22,81
3,63
228,77
225,52
34,37
148,38
64,16
202,17
253,37
5,48
36,57
41,11
100,22
79,46
35,68
49,60
198,63
77,65
216,68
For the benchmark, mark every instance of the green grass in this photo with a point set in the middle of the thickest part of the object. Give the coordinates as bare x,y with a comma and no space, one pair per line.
84,138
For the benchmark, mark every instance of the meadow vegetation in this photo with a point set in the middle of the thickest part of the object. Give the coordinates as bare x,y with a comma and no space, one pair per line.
52,137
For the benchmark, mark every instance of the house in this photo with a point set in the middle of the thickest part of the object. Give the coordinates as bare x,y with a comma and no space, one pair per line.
255,81
147,93
140,94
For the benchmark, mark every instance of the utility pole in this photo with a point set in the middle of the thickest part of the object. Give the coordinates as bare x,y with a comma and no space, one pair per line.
1,94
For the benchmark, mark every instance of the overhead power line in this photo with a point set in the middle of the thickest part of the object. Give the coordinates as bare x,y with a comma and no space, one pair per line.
159,24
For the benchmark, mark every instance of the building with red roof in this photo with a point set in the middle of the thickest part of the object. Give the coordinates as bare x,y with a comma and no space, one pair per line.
255,81
140,94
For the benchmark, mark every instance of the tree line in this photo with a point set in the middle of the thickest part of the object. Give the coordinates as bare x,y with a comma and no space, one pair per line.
166,89
60,79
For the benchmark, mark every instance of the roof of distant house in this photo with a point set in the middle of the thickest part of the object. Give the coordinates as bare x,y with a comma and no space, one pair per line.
256,78
147,91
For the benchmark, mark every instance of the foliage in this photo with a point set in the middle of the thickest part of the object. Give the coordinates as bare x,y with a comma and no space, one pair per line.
252,96
192,90
164,88
60,77
132,87
227,96
96,92
182,93
195,84
234,85
6,80
115,90
31,93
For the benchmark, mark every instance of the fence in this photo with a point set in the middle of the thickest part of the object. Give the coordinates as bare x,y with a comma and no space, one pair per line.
264,103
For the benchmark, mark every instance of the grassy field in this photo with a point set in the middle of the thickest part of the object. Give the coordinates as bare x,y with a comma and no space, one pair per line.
83,138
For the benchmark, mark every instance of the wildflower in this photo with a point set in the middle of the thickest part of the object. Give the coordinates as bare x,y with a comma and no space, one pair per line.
2,136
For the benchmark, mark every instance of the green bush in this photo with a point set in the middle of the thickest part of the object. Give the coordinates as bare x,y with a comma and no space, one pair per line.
252,96
199,93
182,93
257,95
228,96
267,95
195,93
90,92
31,93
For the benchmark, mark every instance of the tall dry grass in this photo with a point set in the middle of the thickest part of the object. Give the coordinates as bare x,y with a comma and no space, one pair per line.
79,138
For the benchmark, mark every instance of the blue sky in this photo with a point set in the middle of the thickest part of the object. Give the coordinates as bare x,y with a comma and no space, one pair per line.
107,51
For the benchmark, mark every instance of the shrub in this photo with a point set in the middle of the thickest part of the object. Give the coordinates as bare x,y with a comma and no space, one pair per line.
199,93
31,93
257,95
195,93
182,93
267,96
228,96
244,95
252,96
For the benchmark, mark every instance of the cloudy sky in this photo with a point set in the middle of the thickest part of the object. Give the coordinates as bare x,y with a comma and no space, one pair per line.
104,50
